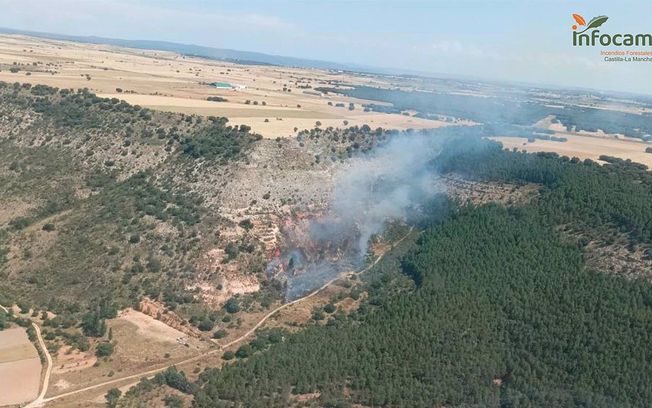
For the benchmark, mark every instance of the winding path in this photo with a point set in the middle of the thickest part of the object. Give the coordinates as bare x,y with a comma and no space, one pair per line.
48,370
40,400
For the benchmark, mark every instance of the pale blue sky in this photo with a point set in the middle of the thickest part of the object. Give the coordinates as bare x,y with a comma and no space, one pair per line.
528,41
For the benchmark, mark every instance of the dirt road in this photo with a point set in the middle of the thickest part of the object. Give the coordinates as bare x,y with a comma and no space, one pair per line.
48,370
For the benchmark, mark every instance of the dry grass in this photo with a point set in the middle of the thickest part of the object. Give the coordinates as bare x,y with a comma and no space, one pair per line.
20,367
14,345
142,343
148,327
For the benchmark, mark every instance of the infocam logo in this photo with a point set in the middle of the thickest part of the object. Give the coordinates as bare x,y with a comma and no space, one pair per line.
595,37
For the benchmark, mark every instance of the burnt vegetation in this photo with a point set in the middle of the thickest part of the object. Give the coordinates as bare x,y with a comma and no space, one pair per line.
121,213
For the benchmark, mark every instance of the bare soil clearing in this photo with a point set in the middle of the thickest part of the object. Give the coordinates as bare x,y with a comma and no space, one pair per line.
148,327
70,361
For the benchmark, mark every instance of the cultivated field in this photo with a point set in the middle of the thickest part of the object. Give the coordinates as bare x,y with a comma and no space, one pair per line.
280,99
273,100
585,147
20,368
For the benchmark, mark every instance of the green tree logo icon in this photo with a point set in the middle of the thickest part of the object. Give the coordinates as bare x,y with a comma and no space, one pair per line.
594,23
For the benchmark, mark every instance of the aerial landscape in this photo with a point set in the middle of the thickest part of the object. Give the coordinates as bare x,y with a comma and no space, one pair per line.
197,226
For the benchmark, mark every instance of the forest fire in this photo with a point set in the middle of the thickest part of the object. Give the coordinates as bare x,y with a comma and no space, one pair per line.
394,182
314,251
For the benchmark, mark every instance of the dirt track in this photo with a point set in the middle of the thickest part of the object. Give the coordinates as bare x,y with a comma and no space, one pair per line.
48,370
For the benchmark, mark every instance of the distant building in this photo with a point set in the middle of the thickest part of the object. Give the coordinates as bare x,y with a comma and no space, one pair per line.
222,85
226,85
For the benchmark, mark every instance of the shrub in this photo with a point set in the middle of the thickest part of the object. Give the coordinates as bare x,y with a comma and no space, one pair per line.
244,351
24,307
19,223
104,349
232,306
175,379
231,250
173,401
48,227
220,334
206,324
246,224
112,397
153,264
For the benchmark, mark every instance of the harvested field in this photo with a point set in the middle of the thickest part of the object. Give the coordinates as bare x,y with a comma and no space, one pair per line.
14,345
20,368
585,147
272,100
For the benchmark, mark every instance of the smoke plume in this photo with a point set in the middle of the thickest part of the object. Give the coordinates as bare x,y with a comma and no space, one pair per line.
392,182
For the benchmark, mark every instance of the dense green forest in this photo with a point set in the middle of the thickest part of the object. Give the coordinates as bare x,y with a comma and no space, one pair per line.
497,306
585,194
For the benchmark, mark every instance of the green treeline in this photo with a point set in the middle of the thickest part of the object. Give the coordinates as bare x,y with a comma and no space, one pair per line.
220,143
585,194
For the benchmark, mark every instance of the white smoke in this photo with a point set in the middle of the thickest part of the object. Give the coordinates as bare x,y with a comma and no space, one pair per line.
390,183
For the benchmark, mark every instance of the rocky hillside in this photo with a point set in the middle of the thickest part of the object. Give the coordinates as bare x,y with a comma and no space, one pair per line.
104,200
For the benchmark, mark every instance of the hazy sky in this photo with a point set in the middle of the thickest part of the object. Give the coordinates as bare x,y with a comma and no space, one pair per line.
522,40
